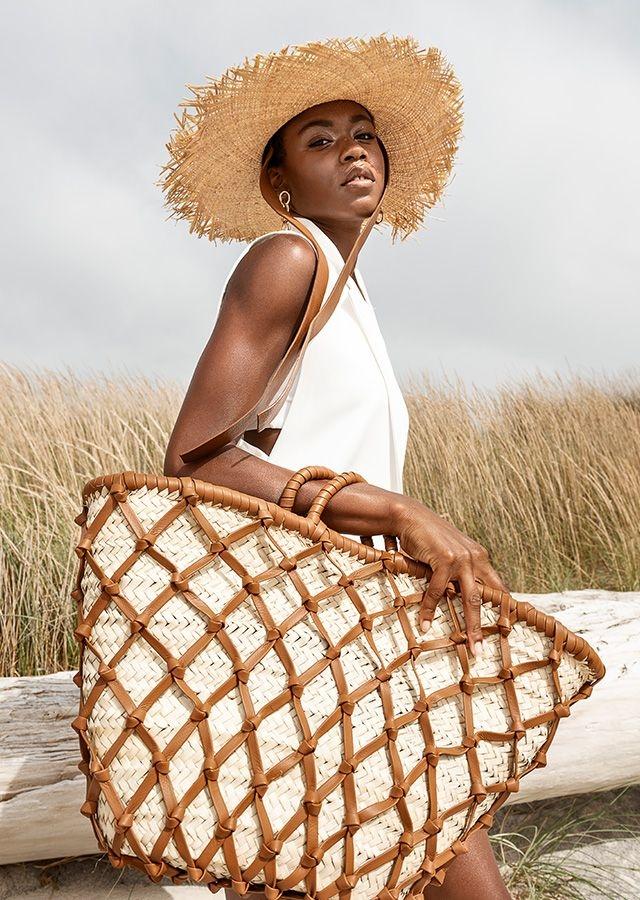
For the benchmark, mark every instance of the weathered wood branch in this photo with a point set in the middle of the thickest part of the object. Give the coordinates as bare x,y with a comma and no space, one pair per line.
41,789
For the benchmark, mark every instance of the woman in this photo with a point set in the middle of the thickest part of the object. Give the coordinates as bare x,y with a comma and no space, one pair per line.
329,167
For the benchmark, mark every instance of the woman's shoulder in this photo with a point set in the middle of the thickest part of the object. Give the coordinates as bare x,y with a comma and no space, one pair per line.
290,245
280,264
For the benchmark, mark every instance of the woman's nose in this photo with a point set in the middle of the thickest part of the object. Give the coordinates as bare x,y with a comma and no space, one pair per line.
354,150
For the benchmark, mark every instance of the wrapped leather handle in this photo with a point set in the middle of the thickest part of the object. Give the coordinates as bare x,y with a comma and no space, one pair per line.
309,473
329,490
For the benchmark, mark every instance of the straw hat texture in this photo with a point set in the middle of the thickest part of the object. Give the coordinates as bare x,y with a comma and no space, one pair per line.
212,176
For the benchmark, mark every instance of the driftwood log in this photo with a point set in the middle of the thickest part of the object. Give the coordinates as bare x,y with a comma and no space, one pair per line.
41,789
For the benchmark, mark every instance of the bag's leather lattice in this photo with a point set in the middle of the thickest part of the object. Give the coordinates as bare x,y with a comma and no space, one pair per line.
259,709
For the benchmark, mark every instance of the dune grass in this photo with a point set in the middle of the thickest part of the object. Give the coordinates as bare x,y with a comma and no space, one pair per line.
571,848
545,474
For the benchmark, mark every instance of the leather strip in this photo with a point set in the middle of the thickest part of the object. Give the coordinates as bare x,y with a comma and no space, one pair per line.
316,315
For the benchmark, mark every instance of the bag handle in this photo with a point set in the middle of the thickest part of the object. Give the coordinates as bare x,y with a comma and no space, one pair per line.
315,317
329,490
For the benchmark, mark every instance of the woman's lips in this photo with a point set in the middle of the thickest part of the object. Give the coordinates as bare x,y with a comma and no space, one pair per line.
359,182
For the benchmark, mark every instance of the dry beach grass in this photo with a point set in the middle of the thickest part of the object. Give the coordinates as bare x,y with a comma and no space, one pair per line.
544,474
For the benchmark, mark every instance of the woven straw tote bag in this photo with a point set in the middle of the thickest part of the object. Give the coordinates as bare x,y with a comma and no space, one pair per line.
259,710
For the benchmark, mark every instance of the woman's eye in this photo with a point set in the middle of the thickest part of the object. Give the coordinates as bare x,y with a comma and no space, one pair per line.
361,134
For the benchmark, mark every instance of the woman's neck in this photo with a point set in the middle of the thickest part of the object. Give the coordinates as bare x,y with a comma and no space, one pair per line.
342,234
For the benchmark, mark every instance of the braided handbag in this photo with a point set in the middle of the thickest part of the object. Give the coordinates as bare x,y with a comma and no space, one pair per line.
260,711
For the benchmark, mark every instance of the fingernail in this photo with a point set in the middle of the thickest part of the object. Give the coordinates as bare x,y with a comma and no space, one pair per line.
424,625
478,650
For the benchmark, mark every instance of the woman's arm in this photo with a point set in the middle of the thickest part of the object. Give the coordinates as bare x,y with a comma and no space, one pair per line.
259,315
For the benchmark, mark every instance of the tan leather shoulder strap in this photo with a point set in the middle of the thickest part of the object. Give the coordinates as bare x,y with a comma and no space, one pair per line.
315,317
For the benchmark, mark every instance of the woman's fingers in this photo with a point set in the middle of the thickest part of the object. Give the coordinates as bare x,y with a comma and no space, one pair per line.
487,574
433,595
471,605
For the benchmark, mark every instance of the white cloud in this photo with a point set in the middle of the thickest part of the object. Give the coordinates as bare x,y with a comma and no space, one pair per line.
531,260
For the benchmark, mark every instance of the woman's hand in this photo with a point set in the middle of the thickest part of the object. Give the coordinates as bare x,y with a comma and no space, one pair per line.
453,556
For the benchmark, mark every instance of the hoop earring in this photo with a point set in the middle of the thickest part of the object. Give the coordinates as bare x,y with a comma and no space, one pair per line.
380,216
286,225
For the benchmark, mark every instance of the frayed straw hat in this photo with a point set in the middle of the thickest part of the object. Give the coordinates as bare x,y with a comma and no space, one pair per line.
212,177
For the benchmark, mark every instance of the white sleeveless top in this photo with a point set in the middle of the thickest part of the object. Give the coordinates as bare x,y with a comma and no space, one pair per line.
345,409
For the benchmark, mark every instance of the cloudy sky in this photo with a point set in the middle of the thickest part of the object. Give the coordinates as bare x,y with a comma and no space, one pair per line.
531,262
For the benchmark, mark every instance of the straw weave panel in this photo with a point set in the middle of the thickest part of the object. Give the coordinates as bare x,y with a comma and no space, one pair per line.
259,709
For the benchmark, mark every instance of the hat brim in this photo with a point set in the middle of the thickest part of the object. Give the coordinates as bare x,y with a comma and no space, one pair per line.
212,177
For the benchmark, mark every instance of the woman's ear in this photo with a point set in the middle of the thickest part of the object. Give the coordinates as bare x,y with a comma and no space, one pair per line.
277,179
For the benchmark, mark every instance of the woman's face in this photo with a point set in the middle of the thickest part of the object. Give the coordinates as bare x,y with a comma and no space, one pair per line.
321,145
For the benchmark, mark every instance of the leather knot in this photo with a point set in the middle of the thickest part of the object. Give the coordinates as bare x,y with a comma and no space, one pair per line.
198,714
307,746
242,674
190,495
83,547
312,806
251,586
160,761
79,724
124,823
287,564
210,769
176,669
270,849
433,826
138,624
109,587
155,871
260,783
296,686
214,626
178,582
467,684
225,828
82,631
106,673
383,675
541,759
346,767
195,873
